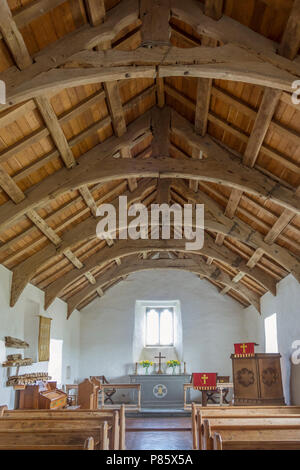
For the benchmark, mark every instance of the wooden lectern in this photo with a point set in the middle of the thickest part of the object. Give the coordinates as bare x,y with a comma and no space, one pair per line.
257,380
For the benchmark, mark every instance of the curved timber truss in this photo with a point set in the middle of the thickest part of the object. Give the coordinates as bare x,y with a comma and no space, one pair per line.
179,161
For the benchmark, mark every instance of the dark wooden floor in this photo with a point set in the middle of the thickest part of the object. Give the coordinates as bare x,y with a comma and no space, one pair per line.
158,434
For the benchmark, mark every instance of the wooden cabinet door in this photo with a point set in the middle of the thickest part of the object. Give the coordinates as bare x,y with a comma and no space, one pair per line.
270,377
245,378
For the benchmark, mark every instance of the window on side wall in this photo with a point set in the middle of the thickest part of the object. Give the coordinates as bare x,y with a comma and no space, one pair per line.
271,334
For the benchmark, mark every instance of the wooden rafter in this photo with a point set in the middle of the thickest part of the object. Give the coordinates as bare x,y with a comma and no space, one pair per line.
290,43
194,265
13,37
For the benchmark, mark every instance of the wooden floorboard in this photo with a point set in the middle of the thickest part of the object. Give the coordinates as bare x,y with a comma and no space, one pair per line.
158,434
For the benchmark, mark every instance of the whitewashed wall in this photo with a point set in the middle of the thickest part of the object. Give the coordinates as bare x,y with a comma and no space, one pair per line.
286,304
12,323
211,323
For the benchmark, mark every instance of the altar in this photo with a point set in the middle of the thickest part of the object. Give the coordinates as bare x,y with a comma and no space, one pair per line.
161,390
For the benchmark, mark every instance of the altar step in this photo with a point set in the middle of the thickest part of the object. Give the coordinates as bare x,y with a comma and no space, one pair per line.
158,413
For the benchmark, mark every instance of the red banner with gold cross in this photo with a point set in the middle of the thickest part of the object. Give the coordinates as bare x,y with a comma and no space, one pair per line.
244,349
204,381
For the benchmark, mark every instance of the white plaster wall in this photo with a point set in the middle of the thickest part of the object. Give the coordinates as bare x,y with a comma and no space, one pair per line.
286,304
211,323
12,323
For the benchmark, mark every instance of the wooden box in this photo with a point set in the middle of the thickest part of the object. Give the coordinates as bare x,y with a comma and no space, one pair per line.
257,380
42,396
52,399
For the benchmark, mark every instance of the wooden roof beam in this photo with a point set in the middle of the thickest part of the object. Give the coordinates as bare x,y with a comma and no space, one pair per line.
13,38
40,194
262,122
129,267
96,11
101,169
245,233
213,8
124,248
244,109
25,271
155,16
290,42
47,112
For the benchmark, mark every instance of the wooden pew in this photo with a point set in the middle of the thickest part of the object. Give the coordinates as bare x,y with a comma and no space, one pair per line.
88,445
3,408
114,418
276,439
217,425
12,437
242,411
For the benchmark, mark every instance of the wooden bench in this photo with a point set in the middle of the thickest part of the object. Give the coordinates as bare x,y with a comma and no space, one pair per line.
87,445
217,425
23,434
114,418
198,413
276,439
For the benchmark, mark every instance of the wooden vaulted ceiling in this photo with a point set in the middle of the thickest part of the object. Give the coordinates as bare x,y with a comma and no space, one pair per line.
161,100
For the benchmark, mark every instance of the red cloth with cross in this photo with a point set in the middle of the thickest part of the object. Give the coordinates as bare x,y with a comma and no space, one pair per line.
204,381
244,349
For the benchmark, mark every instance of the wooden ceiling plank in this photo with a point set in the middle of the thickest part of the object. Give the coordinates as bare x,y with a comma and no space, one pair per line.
13,38
84,105
23,144
290,42
10,115
36,8
89,131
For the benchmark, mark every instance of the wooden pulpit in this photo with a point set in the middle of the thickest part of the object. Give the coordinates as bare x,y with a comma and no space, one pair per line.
257,380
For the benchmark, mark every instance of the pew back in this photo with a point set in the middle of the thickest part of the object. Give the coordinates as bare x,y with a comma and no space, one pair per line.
115,418
212,426
257,440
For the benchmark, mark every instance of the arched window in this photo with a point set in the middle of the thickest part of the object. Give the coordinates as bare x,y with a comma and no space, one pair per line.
159,326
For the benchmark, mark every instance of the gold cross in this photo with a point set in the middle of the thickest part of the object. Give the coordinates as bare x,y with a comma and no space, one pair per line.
204,378
244,347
